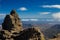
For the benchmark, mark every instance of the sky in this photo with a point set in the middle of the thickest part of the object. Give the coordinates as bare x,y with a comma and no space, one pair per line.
45,10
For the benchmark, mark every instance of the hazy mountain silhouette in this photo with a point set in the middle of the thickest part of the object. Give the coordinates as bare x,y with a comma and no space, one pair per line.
52,31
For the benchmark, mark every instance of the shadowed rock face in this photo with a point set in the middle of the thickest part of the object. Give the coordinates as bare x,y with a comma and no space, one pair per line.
7,24
12,22
12,29
30,34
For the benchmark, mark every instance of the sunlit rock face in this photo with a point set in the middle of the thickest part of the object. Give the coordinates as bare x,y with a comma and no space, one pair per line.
12,29
11,24
30,34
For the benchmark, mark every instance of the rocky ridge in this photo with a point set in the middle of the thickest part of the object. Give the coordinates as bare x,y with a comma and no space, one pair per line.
13,30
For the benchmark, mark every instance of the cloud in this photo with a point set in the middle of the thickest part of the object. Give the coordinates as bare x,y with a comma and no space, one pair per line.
34,19
51,6
2,15
24,19
44,13
56,15
37,19
23,8
30,20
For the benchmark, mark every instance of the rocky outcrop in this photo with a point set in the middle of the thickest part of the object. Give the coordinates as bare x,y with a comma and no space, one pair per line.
12,22
57,37
30,34
13,30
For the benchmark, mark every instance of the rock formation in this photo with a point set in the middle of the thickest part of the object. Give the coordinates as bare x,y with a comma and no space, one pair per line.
13,30
30,34
12,22
57,37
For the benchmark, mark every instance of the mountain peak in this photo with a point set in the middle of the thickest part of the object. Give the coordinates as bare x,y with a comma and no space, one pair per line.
13,12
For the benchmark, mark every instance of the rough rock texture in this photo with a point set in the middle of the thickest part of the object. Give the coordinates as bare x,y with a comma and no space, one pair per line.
57,37
12,22
30,34
12,29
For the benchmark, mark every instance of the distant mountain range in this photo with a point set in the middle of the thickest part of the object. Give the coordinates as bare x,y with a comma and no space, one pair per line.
49,29
52,31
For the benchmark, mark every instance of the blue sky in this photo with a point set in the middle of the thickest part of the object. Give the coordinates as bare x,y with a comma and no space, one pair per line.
44,9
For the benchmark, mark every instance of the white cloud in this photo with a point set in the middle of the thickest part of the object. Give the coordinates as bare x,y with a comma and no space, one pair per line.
30,20
2,15
34,19
51,6
44,13
23,8
24,19
56,16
